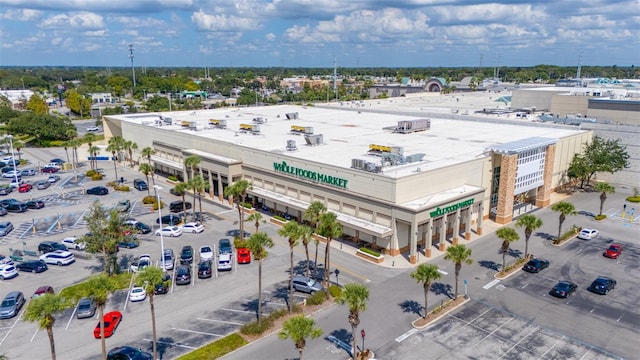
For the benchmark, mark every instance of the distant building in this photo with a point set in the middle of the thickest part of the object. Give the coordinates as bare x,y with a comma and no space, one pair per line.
406,86
101,98
17,98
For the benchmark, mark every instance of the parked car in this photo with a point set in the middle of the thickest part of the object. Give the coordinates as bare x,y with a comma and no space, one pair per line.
58,257
98,190
35,204
17,207
34,266
8,271
16,182
11,174
168,259
50,169
137,293
28,172
5,259
602,285
138,227
171,231
224,262
50,246
563,289
74,243
186,255
588,234
177,206
141,185
93,128
5,190
3,211
163,286
86,308
128,353
140,263
193,227
57,161
111,321
11,304
170,219
42,185
53,179
244,255
129,242
205,269
44,289
5,228
305,284
24,187
123,205
224,246
613,251
206,253
535,265
183,275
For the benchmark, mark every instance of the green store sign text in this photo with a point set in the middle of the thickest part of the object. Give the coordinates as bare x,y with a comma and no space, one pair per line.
283,167
439,212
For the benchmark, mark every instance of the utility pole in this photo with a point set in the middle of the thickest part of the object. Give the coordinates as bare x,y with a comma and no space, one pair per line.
335,78
133,69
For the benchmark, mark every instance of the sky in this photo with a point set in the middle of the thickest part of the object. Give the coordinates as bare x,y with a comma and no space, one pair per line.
315,33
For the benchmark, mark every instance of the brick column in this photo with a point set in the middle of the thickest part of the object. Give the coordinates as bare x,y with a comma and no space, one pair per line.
467,224
508,167
443,231
456,228
543,193
480,218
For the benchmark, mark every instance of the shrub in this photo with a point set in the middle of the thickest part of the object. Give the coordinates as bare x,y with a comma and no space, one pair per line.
370,252
600,217
111,183
122,188
335,291
237,243
23,162
277,217
149,199
633,199
568,234
317,298
155,205
216,349
96,177
253,328
247,205
90,173
172,178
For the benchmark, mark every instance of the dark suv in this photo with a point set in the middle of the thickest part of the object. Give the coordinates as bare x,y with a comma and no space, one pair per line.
50,246
141,185
177,206
186,255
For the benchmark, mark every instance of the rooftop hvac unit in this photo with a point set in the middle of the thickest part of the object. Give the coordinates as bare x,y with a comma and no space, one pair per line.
369,166
291,145
168,120
409,126
259,120
292,116
313,139
220,124
414,158
252,128
308,130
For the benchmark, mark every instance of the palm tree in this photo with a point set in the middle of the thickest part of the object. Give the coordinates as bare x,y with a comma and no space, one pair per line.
129,146
355,296
507,235
192,162
426,274
42,310
258,244
99,288
89,138
529,223
65,146
75,144
306,234
149,277
603,188
181,189
147,152
458,254
330,228
292,231
238,191
312,214
146,169
196,184
114,148
94,151
18,145
564,208
255,217
298,329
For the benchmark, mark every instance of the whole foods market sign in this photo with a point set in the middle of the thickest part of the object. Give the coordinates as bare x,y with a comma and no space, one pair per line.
284,168
445,210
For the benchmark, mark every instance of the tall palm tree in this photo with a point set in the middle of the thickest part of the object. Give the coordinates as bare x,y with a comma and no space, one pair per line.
148,278
255,217
355,296
89,138
312,214
238,191
147,152
258,244
507,235
192,162
603,188
114,148
458,254
146,169
197,184
18,145
181,189
306,234
42,310
65,146
565,209
530,223
330,228
298,329
94,151
292,231
129,146
75,144
426,274
99,288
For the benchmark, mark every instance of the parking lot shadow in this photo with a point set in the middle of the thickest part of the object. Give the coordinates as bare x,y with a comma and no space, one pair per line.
252,305
515,253
489,264
411,306
341,338
439,288
99,267
164,344
545,236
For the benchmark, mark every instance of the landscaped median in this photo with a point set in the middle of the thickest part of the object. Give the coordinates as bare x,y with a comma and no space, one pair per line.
569,235
513,268
370,255
440,311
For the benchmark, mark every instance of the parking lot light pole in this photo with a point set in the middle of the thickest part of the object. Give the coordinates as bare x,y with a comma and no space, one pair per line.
156,189
13,158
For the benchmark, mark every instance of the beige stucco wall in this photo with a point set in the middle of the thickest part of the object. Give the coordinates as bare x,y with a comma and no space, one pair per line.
569,104
566,148
620,117
527,98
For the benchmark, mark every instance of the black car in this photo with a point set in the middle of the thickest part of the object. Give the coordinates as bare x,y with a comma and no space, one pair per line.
35,204
129,242
141,185
5,202
128,353
140,228
177,206
563,289
98,190
186,255
163,287
50,246
34,266
17,207
170,220
535,265
224,246
602,285
205,269
5,190
57,161
7,169
183,275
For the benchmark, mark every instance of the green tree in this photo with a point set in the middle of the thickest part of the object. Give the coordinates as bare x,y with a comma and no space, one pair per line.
458,255
530,223
99,288
77,103
258,244
129,146
578,170
146,169
255,218
197,184
37,105
298,329
42,310
238,192
114,147
146,153
18,145
355,296
306,234
105,232
507,235
42,127
148,278
192,162
604,188
426,274
292,231
603,155
312,215
181,190
94,151
565,209
330,228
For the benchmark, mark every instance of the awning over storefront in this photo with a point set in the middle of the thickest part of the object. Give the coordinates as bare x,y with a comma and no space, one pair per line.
212,157
368,227
173,164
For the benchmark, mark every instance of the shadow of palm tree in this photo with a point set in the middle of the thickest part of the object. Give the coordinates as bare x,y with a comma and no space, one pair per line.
164,344
97,268
489,264
341,338
411,306
439,288
545,236
515,253
251,305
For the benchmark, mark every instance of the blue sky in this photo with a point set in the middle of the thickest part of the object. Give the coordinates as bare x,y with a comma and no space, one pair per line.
310,33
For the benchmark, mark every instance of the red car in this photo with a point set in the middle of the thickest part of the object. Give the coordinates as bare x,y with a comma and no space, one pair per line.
613,251
244,255
26,187
111,321
50,169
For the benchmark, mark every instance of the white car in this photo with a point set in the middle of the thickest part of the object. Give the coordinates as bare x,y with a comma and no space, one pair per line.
58,257
5,260
224,262
93,128
206,253
53,179
172,231
137,293
142,262
11,174
8,271
193,227
588,234
74,243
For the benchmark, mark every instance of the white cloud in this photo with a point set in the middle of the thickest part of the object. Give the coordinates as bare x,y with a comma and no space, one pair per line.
21,14
96,33
83,19
270,36
209,22
137,22
102,5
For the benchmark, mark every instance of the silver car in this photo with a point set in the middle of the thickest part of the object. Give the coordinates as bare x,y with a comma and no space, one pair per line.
305,284
42,185
5,228
11,304
86,308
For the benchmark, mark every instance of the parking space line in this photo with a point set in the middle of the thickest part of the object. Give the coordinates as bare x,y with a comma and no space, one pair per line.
491,333
490,284
221,321
240,311
402,337
585,354
519,341
34,334
197,332
551,348
171,344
